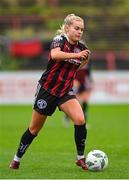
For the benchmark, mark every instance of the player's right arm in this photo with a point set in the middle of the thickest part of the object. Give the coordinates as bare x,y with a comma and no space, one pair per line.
59,55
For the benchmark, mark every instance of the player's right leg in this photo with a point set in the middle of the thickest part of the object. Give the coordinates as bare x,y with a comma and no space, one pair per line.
36,124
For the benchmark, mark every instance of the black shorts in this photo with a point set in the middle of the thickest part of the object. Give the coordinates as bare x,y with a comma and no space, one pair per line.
46,103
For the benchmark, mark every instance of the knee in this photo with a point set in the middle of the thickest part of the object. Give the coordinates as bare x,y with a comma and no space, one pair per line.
33,131
79,119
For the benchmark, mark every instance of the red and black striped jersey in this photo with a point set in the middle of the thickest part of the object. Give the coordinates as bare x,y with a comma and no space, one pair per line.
59,75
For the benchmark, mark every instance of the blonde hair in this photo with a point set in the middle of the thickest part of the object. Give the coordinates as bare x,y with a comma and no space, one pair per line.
67,22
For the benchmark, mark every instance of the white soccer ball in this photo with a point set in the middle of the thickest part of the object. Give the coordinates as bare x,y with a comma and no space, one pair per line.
96,160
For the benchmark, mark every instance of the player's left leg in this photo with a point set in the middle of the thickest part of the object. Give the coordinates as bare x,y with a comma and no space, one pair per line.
73,109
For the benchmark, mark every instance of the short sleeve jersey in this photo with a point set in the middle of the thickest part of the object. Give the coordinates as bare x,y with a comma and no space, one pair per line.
59,75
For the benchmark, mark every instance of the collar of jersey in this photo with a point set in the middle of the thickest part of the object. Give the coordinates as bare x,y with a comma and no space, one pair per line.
65,35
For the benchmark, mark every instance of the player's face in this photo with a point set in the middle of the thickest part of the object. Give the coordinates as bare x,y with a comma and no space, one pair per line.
75,31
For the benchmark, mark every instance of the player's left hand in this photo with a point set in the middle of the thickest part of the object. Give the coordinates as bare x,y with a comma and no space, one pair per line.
86,59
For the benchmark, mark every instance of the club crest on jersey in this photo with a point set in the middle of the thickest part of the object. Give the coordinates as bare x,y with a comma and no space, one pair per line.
41,104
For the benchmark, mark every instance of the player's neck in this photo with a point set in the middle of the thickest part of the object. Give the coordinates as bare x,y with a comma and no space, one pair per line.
68,39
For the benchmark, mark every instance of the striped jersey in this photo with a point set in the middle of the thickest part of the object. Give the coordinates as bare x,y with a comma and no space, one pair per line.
59,75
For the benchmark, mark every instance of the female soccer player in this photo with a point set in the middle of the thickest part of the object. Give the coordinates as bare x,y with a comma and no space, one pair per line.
54,89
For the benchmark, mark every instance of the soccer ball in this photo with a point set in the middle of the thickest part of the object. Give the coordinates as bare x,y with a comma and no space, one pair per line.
96,160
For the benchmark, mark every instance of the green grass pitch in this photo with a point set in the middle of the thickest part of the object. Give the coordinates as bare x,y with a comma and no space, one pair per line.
52,154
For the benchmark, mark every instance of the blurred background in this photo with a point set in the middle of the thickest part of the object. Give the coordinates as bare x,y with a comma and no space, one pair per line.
27,28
